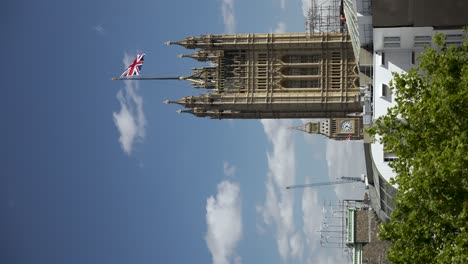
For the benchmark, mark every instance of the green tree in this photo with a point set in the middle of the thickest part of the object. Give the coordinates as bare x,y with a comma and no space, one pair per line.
428,130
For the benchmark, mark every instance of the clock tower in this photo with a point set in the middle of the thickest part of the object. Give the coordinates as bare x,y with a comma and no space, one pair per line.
269,75
335,128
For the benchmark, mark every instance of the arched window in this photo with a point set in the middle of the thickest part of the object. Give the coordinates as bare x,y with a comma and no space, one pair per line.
313,58
302,84
302,71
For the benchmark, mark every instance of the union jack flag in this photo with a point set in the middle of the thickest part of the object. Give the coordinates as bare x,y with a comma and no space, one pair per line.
135,67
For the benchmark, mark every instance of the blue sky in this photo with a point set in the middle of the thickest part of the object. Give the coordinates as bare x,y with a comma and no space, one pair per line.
96,171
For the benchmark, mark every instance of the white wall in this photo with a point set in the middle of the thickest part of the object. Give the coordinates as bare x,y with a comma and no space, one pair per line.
406,36
396,60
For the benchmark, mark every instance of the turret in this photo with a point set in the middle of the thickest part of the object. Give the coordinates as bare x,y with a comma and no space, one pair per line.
204,41
318,127
201,55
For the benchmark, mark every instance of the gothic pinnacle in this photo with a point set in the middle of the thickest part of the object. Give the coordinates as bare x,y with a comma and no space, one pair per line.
179,102
170,102
180,111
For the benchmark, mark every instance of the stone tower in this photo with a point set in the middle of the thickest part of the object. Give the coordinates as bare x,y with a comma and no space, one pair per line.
335,128
292,75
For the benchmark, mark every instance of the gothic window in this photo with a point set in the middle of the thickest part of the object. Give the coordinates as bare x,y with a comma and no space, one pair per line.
315,58
302,71
262,58
336,58
261,83
302,84
262,71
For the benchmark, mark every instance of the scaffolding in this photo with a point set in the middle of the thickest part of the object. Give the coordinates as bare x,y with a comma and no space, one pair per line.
325,16
334,227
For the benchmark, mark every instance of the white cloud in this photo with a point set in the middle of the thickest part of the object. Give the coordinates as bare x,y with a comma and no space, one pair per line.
229,17
311,216
313,139
312,219
280,27
306,4
346,158
238,260
224,223
297,245
229,169
100,29
277,211
130,120
283,4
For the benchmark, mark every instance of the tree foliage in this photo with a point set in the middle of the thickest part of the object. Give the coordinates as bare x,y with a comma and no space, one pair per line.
428,130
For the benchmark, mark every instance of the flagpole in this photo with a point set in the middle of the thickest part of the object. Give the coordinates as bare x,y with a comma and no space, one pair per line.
146,78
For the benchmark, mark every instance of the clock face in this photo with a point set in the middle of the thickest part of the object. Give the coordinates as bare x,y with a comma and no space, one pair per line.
346,126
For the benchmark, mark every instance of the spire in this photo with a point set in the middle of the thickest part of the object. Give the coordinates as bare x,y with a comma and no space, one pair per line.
318,127
204,41
200,112
201,55
182,102
204,77
170,102
180,111
298,128
310,127
189,43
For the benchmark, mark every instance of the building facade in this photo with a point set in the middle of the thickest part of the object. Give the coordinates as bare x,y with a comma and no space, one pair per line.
336,128
256,76
388,37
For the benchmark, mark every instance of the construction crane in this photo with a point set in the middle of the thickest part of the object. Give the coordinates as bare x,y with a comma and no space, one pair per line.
341,181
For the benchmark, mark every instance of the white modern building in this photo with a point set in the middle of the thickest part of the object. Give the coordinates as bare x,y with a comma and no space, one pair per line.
388,36
397,50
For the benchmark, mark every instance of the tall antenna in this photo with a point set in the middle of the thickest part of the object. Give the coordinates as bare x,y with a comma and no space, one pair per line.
342,181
